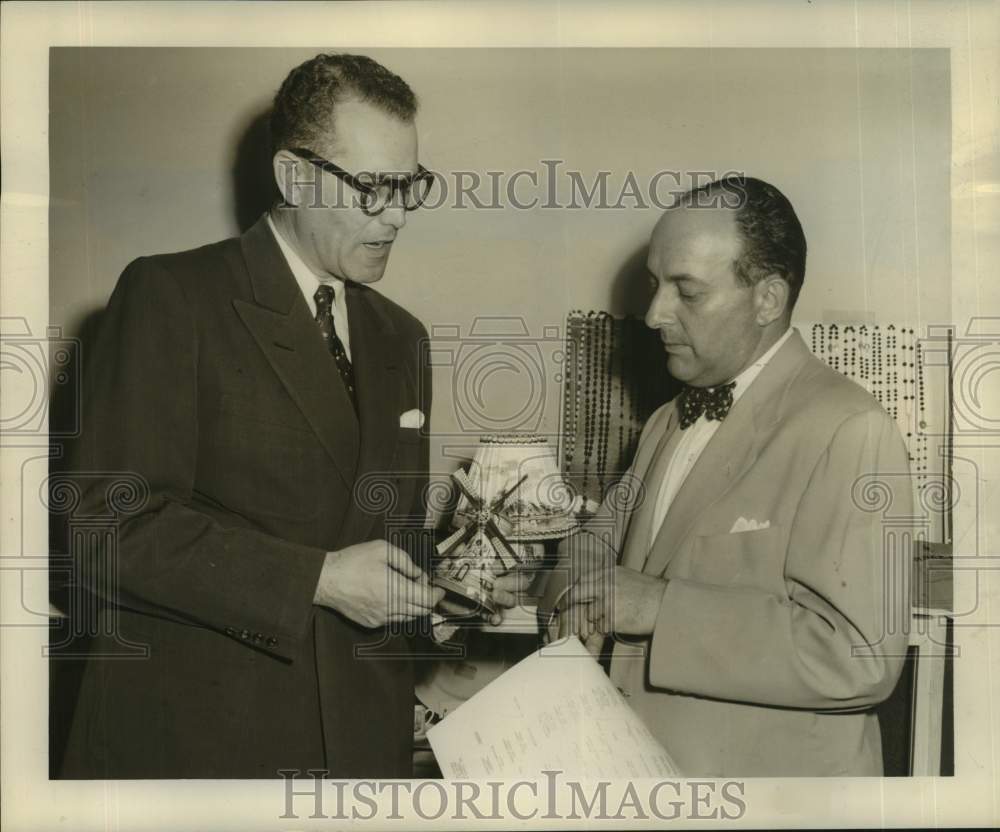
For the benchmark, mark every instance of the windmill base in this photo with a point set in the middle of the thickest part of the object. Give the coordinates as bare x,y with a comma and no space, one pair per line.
481,602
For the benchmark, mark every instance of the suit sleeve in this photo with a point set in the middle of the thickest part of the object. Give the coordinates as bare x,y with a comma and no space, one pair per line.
837,641
141,425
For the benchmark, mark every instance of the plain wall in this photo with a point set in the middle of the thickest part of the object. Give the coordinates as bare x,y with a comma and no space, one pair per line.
155,150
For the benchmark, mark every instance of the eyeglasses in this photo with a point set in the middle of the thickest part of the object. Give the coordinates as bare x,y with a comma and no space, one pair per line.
377,191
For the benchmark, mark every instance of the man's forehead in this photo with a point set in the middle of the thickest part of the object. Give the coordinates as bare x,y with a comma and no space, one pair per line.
366,137
691,235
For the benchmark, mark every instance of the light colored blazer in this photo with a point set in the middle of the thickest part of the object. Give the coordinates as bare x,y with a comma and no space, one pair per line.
772,643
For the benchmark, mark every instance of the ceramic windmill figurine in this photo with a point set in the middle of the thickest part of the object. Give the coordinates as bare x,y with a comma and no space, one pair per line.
512,499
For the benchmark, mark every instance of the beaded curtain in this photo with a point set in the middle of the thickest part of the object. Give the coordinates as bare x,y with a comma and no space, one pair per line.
615,378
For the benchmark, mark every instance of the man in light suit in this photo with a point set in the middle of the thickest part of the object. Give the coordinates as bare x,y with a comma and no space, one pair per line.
262,393
757,608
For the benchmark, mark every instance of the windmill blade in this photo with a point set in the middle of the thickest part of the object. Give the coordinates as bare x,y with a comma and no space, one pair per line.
501,548
502,497
456,539
468,488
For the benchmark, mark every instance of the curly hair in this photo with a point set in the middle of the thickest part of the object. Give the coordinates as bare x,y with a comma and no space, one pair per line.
773,239
304,107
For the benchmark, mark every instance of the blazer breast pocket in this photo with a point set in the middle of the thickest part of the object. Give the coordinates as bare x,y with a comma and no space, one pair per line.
753,558
409,441
409,437
407,470
407,460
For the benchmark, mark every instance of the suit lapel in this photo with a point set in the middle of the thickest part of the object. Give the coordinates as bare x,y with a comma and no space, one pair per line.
730,452
374,351
280,323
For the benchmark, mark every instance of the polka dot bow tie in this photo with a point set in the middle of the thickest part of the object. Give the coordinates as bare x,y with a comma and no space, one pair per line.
714,402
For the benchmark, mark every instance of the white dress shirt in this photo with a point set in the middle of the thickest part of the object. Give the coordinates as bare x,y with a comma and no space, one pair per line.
696,437
309,283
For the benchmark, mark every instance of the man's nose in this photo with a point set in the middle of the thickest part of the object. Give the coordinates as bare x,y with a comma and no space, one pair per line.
661,310
394,215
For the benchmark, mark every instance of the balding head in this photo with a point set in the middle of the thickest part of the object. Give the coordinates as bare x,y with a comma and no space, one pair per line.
773,240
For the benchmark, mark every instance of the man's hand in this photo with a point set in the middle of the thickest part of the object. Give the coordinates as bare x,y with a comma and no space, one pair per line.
506,593
612,601
508,588
374,584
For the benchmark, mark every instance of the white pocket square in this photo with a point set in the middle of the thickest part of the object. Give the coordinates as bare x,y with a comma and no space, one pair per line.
412,419
744,525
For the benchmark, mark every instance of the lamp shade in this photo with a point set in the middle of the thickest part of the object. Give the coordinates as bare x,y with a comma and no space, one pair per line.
541,507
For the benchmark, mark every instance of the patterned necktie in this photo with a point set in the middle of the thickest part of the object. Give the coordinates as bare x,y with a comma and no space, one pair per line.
324,317
714,402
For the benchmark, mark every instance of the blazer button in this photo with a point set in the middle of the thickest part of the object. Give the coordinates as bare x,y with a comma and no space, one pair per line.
272,641
258,636
244,634
230,631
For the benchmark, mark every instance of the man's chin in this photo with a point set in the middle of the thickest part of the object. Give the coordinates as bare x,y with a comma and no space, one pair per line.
680,369
365,275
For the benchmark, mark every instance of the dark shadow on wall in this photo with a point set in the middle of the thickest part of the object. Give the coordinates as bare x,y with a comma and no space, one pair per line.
253,179
630,292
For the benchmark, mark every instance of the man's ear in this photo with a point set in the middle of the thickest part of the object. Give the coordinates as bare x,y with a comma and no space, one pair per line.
285,165
771,295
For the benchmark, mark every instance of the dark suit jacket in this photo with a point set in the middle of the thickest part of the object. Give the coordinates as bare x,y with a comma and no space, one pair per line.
211,380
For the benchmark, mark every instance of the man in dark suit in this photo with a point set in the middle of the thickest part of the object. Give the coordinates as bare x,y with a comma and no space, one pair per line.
265,395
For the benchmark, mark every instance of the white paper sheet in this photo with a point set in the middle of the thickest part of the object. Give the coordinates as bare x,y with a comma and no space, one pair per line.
555,710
